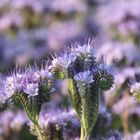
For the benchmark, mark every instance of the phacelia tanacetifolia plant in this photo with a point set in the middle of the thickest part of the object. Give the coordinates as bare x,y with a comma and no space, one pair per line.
85,78
29,89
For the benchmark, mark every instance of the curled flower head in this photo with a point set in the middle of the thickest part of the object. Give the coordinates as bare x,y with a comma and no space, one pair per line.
85,50
104,76
22,82
32,89
31,76
13,83
30,82
84,77
66,60
105,67
44,73
27,82
85,56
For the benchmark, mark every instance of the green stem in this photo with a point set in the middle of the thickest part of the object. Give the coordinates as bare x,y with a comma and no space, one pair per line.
82,133
38,132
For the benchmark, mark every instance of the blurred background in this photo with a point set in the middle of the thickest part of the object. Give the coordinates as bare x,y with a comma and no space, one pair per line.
32,30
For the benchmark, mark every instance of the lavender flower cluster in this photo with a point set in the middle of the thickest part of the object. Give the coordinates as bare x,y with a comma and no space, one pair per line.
33,87
30,30
79,62
65,123
122,19
46,32
27,83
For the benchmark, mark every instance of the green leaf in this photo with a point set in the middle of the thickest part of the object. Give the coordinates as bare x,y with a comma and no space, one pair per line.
90,103
74,96
29,105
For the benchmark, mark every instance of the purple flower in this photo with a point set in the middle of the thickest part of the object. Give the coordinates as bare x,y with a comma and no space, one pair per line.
105,67
66,60
57,116
44,73
84,77
13,83
84,50
11,120
32,89
121,16
31,82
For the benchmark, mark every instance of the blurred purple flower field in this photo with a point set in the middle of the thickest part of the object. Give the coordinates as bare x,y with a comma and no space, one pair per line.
34,35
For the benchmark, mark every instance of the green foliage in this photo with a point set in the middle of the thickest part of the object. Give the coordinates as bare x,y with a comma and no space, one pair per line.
74,96
32,105
90,103
29,104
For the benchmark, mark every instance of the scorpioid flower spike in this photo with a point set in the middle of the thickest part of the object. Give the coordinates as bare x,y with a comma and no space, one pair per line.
13,83
83,87
85,49
31,80
45,73
104,76
32,89
84,77
85,56
66,60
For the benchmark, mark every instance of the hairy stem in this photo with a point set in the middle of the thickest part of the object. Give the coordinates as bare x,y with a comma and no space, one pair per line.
38,132
82,133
